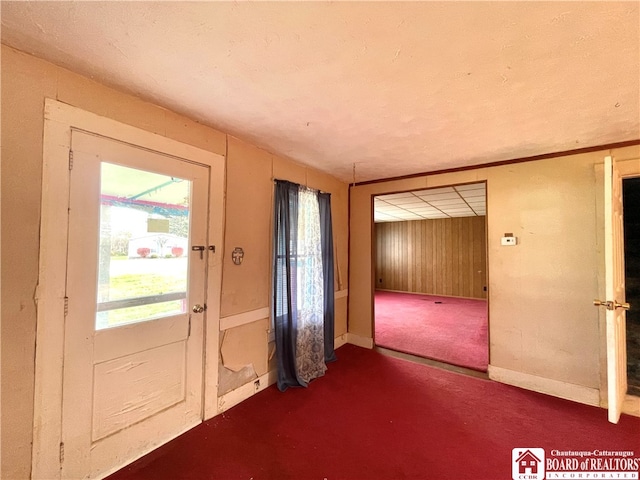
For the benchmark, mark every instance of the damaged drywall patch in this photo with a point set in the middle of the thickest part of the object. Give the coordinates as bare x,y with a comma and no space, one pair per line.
229,380
244,354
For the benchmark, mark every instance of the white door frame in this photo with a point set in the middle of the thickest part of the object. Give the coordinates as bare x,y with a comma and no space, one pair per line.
59,119
628,168
374,251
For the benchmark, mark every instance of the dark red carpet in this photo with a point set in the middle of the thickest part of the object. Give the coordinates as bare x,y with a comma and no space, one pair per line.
453,331
377,417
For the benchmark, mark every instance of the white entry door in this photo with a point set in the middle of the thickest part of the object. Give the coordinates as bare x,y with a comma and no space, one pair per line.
136,269
614,291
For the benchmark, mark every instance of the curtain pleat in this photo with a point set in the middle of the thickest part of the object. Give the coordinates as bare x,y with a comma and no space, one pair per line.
285,247
326,230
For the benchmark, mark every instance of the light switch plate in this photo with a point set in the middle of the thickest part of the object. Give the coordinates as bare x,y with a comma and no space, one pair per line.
508,241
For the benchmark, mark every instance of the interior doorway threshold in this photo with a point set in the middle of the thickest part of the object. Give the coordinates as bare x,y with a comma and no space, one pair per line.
433,363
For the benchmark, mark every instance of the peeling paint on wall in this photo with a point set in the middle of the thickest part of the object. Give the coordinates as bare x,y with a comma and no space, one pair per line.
244,354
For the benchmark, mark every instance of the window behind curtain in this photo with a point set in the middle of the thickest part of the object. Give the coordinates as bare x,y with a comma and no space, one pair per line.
299,305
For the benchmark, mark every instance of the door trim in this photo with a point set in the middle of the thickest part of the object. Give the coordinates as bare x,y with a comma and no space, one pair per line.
59,119
628,167
374,256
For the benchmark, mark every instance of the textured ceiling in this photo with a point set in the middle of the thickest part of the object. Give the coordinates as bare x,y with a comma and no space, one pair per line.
394,88
459,201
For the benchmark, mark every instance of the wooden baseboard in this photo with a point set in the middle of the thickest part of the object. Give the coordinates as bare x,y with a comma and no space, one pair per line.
568,391
340,341
431,294
365,342
240,394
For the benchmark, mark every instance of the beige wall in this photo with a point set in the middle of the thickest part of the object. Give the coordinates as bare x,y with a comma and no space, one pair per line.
541,318
249,212
26,81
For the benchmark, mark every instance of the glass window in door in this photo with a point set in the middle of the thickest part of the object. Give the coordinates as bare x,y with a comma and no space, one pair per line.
143,247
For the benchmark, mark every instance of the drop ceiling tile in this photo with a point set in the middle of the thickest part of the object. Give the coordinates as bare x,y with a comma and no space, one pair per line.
456,210
406,201
434,191
386,205
393,214
395,195
444,203
439,196
474,195
390,210
471,186
404,212
422,210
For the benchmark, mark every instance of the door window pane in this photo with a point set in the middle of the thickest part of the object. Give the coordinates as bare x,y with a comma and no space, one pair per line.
143,250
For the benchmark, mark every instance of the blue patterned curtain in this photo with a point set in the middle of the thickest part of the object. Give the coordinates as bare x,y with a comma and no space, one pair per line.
299,286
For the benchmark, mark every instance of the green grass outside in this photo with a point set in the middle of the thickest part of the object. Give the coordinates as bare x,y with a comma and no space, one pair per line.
142,285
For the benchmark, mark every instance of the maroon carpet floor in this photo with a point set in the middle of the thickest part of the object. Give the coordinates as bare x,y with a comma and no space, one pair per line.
454,331
377,417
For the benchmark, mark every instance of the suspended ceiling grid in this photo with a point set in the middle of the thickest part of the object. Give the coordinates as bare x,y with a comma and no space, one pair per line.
458,201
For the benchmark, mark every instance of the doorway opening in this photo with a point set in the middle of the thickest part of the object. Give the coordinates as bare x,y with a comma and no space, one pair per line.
631,207
431,274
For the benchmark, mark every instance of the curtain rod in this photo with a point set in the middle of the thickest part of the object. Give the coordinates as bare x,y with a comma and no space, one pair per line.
299,184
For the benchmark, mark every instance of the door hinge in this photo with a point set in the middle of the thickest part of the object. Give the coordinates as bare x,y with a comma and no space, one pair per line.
66,306
70,159
61,452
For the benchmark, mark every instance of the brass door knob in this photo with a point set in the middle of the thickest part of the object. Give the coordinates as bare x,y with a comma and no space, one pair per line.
197,308
611,305
624,306
603,303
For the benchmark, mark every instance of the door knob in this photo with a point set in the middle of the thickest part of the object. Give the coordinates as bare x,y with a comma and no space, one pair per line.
611,305
602,303
197,308
624,306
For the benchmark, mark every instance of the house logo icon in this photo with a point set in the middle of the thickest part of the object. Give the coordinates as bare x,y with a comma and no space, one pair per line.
527,463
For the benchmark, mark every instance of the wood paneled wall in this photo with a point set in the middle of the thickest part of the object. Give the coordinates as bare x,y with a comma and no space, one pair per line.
445,256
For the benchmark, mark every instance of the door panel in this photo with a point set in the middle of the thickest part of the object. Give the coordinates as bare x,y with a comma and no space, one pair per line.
145,383
133,349
129,339
615,290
